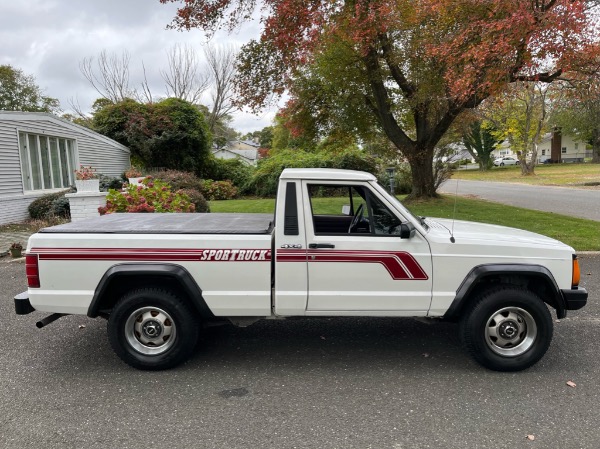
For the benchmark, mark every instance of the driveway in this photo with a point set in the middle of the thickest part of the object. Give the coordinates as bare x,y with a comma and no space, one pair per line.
582,203
306,383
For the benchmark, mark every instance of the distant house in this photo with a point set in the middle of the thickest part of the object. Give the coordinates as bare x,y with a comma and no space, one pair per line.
559,147
555,146
38,154
246,151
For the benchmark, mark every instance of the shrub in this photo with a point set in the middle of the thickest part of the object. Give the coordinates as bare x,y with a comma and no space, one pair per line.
233,170
179,180
197,199
109,182
61,207
219,190
266,177
41,208
402,179
152,196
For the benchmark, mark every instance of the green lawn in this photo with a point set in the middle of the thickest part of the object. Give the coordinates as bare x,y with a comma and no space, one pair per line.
581,234
567,175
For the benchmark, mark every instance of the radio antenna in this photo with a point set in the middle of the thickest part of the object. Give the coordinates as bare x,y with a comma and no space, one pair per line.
454,214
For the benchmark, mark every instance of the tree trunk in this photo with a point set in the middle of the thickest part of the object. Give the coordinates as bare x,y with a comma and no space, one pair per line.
423,182
596,146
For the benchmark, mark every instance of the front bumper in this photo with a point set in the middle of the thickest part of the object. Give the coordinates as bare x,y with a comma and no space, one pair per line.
575,299
22,304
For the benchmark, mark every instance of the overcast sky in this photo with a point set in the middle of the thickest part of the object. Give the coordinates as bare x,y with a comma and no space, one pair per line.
49,38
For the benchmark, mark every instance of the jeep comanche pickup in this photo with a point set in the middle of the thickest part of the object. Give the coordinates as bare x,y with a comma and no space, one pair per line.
158,278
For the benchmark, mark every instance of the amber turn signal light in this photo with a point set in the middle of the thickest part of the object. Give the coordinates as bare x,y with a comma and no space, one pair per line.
576,272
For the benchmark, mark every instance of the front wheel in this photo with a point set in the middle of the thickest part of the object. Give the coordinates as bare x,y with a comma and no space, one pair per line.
508,329
152,329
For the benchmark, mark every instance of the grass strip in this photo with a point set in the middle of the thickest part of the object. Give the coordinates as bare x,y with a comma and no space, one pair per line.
581,234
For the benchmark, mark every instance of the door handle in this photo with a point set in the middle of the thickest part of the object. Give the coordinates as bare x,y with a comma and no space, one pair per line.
320,245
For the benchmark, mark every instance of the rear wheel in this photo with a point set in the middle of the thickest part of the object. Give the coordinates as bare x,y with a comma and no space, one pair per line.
508,329
152,329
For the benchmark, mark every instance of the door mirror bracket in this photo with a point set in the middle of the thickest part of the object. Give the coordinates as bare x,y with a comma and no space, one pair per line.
407,230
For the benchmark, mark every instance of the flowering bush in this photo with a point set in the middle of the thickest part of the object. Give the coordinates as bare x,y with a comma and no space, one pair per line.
85,173
133,172
218,190
151,196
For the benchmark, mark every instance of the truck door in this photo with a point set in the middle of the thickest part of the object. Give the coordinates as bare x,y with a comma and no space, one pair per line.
358,264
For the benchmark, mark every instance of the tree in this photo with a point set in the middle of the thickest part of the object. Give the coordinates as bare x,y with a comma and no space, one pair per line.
185,78
171,133
522,115
109,76
19,92
221,66
421,64
480,139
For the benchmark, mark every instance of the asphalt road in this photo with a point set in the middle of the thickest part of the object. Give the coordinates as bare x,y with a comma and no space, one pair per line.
326,383
583,203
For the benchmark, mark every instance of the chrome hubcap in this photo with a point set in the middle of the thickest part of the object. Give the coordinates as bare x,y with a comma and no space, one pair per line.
510,331
150,331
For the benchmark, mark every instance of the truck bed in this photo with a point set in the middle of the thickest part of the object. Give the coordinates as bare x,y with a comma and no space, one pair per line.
169,224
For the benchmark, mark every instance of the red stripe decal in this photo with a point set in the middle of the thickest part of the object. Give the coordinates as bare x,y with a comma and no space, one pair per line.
399,264
155,254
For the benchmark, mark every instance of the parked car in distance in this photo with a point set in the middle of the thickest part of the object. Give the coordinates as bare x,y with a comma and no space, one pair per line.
506,160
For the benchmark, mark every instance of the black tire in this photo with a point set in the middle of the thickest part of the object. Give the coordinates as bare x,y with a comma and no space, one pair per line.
501,164
152,329
507,329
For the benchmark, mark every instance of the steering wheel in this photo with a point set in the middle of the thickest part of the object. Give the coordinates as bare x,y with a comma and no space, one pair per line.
356,219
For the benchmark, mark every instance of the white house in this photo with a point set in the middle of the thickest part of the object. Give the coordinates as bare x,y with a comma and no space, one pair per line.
246,151
560,147
555,146
38,154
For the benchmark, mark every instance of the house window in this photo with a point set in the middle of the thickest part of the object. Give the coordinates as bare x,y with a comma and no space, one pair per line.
576,146
543,152
46,162
564,150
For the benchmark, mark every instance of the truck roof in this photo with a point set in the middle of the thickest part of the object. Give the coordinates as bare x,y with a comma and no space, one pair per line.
331,174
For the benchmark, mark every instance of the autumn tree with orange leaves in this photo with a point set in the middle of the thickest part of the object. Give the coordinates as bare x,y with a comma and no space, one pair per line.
418,64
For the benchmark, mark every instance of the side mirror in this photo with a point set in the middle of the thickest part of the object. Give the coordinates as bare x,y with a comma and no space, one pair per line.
407,230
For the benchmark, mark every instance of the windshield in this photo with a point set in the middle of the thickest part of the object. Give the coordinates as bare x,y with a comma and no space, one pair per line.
398,204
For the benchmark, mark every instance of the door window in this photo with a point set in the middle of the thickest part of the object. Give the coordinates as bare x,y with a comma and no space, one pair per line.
350,209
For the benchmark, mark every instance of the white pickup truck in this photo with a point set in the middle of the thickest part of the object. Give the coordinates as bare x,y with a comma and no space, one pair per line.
158,277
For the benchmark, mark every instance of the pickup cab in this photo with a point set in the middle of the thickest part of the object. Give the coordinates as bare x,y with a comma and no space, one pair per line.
338,245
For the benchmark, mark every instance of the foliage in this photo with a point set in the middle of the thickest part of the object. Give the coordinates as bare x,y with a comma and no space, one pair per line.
188,184
197,199
133,172
402,179
152,196
480,139
219,190
43,207
522,115
171,133
85,173
19,92
266,178
233,170
180,179
109,182
264,136
61,208
413,66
